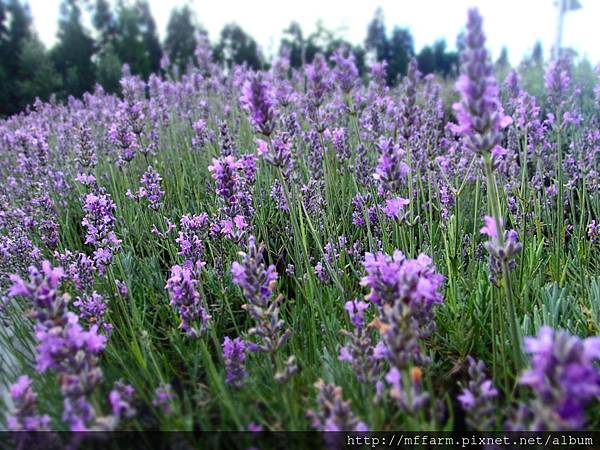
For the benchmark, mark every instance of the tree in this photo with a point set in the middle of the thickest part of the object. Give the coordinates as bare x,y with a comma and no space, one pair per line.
401,49
73,53
237,47
108,69
426,60
537,55
104,22
445,62
293,40
129,43
181,41
15,30
376,40
38,78
149,36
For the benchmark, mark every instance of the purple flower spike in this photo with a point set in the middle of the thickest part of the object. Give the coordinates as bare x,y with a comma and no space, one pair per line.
234,352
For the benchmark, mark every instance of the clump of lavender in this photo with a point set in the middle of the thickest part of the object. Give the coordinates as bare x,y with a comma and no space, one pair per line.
333,413
63,345
186,298
99,222
201,136
500,253
85,150
477,398
234,352
163,398
257,101
340,142
564,379
192,232
345,72
409,398
391,170
360,352
408,117
593,232
92,308
25,416
150,189
479,113
121,399
279,153
319,80
405,291
232,186
258,283
79,268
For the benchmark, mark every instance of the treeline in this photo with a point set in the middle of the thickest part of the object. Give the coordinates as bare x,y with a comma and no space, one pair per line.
126,32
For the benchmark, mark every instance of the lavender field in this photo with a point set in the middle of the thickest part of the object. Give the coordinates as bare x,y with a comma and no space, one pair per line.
305,249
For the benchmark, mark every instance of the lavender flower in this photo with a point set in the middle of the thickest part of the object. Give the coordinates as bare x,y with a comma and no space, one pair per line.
500,253
409,399
99,223
563,377
477,398
63,345
258,283
405,291
279,154
333,413
150,189
408,112
164,398
234,352
257,101
120,399
480,115
185,297
593,232
391,170
25,415
345,71
360,351
232,187
92,308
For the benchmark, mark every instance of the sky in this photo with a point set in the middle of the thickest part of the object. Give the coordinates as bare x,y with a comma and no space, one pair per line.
516,24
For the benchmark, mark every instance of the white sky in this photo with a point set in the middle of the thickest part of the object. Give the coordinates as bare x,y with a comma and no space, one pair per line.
516,24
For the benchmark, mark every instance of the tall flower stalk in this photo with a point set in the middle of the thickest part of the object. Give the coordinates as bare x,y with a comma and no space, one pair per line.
480,123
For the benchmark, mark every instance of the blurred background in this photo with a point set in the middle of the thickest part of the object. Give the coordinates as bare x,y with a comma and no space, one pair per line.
65,47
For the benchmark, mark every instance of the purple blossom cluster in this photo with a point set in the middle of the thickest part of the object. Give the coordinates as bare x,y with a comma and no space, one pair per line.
234,353
564,378
25,416
405,292
258,282
333,413
500,253
150,189
360,351
480,115
477,398
63,345
184,295
99,222
257,100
